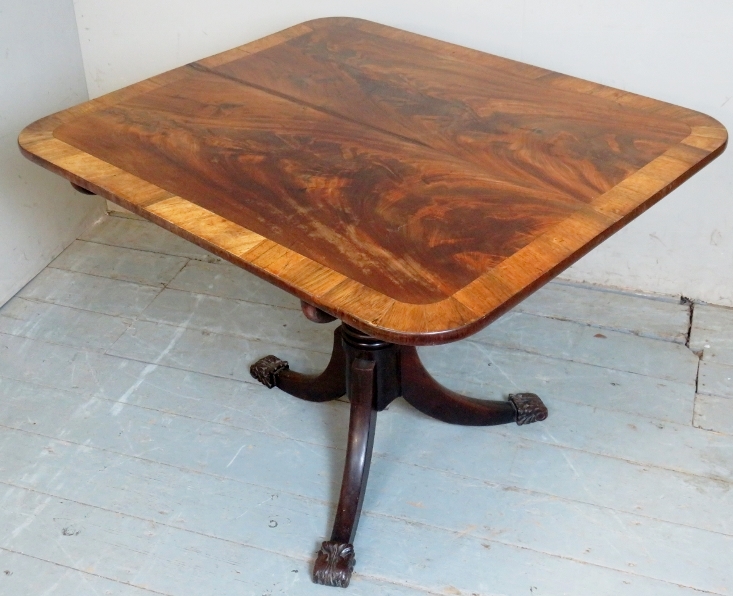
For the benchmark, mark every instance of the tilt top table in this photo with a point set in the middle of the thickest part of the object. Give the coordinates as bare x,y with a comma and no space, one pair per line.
413,189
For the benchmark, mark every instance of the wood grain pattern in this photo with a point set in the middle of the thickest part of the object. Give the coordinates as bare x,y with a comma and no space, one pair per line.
414,189
374,207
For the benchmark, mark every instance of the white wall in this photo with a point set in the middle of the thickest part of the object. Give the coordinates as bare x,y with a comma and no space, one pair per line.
40,72
675,50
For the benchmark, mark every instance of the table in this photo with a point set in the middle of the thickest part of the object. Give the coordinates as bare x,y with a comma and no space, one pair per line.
414,189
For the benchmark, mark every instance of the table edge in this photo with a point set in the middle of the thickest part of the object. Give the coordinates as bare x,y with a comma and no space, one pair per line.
466,311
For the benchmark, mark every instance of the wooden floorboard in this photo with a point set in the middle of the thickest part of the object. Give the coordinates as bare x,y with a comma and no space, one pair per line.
714,413
228,281
137,456
711,336
90,292
144,235
515,460
225,316
29,574
716,379
157,557
126,264
501,371
573,341
656,317
402,494
643,440
711,333
61,324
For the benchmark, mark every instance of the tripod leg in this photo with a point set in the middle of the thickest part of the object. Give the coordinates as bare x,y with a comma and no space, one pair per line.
424,393
329,385
335,560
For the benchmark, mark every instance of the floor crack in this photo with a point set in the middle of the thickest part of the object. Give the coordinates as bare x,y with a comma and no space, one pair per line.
691,310
691,313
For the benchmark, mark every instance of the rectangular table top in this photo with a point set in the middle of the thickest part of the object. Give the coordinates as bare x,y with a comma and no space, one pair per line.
413,188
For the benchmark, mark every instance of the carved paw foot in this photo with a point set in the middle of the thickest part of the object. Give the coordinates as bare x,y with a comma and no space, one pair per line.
529,408
266,369
334,564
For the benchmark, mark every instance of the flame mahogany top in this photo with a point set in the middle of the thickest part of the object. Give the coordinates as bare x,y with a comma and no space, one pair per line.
413,188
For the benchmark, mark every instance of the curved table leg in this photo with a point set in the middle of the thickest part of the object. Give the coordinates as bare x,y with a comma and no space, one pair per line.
424,393
335,561
329,385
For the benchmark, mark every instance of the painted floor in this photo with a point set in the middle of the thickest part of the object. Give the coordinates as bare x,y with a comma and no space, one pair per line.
138,457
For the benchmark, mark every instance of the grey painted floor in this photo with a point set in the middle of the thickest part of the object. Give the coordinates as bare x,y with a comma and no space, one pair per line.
138,457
